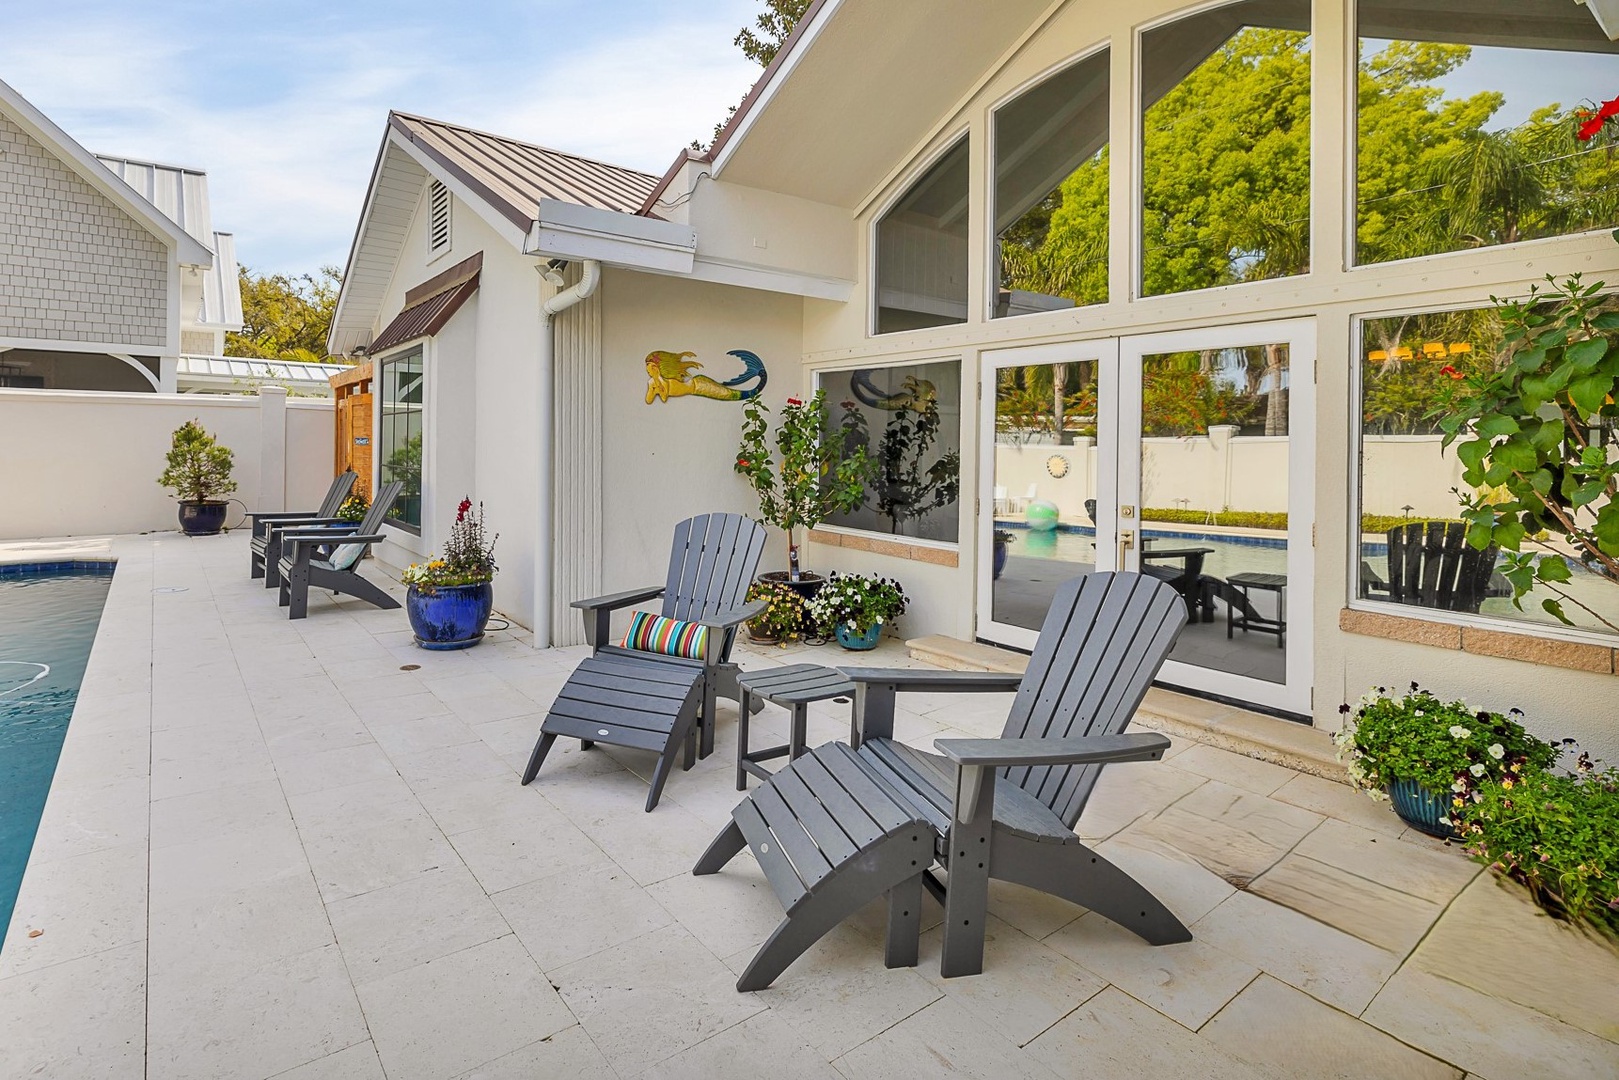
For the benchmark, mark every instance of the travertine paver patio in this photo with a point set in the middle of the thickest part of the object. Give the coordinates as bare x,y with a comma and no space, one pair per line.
273,850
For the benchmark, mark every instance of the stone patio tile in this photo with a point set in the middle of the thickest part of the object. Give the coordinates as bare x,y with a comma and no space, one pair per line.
1435,874
1340,801
375,680
514,850
420,919
569,1054
217,937
502,704
450,765
767,1045
1250,774
261,1021
1180,882
1326,963
87,817
1290,1035
84,1018
1025,988
727,911
837,994
377,856
197,871
567,917
197,759
944,1038
1235,833
1565,972
85,904
114,755
334,729
1373,912
401,738
1126,792
439,1019
1188,982
357,1062
1491,1039
610,809
513,735
405,707
303,773
473,804
1113,1036
341,809
217,812
651,997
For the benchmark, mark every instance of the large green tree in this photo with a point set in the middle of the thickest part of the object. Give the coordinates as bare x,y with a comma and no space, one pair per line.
286,317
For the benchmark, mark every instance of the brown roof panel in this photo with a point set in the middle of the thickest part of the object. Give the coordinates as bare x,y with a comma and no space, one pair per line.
424,318
514,176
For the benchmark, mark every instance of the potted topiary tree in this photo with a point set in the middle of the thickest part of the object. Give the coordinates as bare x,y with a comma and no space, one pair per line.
820,473
198,473
450,598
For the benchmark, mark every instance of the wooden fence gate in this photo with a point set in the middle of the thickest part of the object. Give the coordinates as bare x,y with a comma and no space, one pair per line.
352,391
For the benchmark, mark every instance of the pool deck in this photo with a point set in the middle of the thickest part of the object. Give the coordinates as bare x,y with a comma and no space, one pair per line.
272,851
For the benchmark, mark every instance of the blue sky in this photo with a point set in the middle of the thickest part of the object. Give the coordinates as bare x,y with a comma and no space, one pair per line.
284,104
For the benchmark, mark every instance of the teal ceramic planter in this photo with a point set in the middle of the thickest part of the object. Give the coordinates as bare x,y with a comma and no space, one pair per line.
849,639
1421,809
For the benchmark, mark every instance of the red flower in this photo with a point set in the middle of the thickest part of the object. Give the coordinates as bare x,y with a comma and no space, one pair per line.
1591,128
1609,108
743,463
1452,372
461,511
795,401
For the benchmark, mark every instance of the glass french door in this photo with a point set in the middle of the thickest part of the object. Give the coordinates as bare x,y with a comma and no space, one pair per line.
1186,456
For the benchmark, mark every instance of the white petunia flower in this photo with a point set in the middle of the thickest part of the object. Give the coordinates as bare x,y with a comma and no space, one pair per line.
1476,770
1459,732
1458,787
1497,751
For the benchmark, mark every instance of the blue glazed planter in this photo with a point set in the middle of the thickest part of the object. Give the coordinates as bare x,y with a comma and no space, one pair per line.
1000,559
1421,808
859,642
451,617
202,518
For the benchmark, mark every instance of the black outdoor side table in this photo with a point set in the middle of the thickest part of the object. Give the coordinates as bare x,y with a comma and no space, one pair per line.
1276,583
794,687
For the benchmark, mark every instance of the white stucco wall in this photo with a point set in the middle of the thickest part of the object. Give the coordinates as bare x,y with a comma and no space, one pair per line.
86,463
73,266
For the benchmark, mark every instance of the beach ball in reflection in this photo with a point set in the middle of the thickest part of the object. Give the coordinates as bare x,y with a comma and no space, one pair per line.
1041,516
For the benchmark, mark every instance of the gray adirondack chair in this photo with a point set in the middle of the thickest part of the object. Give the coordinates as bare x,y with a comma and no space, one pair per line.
840,826
1432,565
328,558
651,701
265,546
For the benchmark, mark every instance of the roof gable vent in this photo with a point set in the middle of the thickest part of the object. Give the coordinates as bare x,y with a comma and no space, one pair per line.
438,225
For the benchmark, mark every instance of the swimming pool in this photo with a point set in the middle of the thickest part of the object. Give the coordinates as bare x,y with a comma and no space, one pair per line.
48,619
1228,554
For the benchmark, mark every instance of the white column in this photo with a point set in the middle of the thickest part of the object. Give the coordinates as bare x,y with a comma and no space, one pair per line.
272,448
168,375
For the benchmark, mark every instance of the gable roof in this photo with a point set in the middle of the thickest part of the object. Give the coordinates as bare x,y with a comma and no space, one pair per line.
190,250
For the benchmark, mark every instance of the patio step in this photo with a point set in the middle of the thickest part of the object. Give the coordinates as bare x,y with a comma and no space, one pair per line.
1282,742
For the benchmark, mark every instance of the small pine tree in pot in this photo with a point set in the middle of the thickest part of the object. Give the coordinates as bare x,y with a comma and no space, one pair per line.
198,473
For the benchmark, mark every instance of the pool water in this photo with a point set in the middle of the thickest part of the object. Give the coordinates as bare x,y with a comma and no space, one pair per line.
1231,554
48,619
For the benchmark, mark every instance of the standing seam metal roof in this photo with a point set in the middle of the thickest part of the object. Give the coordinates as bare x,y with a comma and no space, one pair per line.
514,176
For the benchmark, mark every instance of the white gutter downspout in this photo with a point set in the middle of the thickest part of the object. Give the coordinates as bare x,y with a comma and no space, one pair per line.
544,405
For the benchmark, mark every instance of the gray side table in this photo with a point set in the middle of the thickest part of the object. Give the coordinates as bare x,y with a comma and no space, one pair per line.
794,688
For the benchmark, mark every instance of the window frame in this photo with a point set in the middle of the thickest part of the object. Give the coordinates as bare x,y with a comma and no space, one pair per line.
967,406
393,356
1351,569
992,269
946,145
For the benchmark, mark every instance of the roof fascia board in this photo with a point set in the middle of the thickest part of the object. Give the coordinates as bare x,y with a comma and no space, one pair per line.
454,179
950,121
569,231
188,249
1607,16
354,248
781,67
61,345
770,279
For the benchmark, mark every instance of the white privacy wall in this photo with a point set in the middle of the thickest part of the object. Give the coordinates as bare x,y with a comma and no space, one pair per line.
75,463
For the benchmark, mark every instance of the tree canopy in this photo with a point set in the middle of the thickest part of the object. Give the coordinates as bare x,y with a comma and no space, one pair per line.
286,317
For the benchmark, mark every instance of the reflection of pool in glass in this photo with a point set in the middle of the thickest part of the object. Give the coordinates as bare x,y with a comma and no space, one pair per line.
1230,555
51,614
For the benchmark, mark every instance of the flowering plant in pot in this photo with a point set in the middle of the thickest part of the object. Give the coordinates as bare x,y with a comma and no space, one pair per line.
198,472
354,507
820,470
1431,757
856,607
783,616
449,598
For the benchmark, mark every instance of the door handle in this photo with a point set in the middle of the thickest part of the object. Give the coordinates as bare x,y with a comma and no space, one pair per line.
1127,540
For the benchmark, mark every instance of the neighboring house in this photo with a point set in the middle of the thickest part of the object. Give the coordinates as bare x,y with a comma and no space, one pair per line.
109,268
854,226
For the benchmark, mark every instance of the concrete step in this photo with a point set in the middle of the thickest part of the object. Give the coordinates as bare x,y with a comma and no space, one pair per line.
1282,742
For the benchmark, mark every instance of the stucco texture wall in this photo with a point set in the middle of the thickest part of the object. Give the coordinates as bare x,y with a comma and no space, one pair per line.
666,461
73,266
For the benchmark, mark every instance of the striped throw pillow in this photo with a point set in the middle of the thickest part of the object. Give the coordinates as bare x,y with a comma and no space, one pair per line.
671,637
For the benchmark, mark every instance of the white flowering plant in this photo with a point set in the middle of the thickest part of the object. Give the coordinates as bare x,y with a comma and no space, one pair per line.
860,601
1448,747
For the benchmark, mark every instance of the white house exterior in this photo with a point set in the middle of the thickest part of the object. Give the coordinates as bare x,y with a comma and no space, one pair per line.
845,229
109,267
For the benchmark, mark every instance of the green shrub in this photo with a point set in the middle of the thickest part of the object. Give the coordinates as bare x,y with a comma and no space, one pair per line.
198,467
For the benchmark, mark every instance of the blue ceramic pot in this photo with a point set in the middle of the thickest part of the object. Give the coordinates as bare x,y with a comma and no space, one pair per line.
859,642
202,518
1000,558
1421,809
450,616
